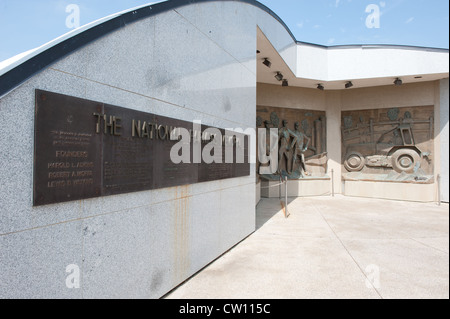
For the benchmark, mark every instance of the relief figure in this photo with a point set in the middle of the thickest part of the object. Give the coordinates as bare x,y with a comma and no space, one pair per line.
284,152
300,144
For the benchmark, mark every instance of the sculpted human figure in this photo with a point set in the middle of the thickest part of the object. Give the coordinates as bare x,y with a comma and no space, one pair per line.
267,126
284,154
300,144
270,147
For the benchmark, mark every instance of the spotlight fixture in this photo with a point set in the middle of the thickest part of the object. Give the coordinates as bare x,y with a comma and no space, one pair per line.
398,82
285,83
348,85
279,76
267,63
320,87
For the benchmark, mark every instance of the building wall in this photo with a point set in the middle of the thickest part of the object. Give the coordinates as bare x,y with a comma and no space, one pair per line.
335,101
415,94
197,62
384,97
444,141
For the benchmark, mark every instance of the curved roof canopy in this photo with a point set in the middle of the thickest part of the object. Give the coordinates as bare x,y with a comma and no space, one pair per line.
18,69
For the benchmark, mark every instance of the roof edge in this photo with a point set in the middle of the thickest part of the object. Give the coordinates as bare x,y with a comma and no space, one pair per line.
375,46
38,59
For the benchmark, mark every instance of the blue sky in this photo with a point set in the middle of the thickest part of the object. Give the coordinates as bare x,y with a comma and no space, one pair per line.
26,24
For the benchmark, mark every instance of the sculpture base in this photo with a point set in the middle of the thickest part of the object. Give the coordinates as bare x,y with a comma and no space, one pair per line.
312,186
393,191
389,177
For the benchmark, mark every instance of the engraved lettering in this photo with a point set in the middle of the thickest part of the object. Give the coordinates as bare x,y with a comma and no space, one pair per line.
97,125
84,174
163,129
83,165
55,175
74,154
56,184
136,128
117,126
145,132
109,125
152,130
80,182
59,165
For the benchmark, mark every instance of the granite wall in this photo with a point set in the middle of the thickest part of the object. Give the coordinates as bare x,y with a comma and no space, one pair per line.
194,62
443,133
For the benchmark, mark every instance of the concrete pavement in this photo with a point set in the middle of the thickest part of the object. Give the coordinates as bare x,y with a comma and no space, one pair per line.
337,247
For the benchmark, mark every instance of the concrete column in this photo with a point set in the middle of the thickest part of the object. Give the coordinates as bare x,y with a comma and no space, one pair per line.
333,103
443,137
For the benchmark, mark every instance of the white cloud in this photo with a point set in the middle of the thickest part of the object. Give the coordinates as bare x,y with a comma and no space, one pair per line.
409,20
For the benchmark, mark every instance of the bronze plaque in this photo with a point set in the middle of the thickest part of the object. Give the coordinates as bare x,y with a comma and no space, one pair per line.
86,149
68,152
127,161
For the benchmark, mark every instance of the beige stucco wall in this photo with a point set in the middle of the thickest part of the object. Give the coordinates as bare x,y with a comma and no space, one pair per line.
335,101
291,97
416,94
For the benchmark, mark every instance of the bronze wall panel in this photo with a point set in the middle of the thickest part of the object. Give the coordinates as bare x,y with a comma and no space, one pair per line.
68,153
167,173
127,161
86,149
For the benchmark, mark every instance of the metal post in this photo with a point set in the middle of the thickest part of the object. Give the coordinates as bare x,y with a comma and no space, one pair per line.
439,189
286,196
279,188
332,182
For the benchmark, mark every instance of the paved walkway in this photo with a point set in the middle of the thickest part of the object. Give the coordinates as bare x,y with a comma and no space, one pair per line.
337,247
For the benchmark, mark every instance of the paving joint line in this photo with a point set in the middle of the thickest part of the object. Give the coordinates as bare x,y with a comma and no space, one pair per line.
348,252
423,244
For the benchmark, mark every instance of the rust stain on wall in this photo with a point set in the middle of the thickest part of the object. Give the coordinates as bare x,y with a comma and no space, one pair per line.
181,232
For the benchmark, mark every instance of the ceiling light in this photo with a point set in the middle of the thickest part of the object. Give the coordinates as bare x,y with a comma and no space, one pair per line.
398,82
279,76
285,82
348,85
320,87
267,63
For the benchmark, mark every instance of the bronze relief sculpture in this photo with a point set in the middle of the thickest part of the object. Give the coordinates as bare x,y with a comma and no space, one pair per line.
394,145
301,147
